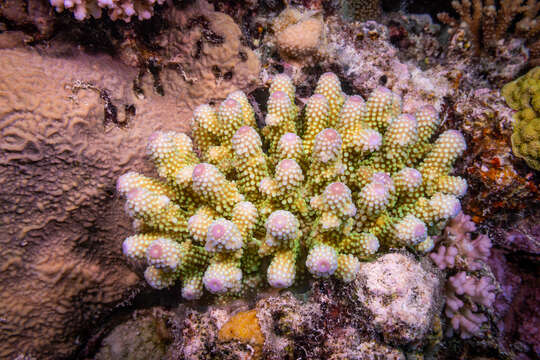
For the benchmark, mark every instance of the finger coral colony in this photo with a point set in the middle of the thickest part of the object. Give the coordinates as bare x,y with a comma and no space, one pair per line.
319,191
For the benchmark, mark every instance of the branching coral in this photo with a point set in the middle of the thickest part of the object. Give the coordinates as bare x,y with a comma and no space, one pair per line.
523,95
488,24
117,9
315,195
467,291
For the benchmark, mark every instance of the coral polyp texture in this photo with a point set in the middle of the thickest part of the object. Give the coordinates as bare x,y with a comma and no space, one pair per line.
312,192
124,10
523,95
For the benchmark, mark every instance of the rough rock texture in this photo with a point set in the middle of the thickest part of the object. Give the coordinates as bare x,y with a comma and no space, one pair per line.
325,323
70,125
523,237
145,336
285,319
368,59
517,303
30,13
196,335
204,56
402,296
499,186
346,344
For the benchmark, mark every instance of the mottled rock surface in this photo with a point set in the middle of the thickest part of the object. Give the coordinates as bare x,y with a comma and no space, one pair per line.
402,296
145,336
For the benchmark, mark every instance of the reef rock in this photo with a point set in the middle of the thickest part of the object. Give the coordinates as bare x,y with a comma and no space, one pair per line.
280,326
402,296
146,336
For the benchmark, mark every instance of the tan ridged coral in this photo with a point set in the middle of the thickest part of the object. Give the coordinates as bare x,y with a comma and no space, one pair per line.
59,267
203,55
60,159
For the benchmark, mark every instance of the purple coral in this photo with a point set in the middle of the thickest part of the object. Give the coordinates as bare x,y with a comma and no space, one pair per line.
465,315
466,291
460,246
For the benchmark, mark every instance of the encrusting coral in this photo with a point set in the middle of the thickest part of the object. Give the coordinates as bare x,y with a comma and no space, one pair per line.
298,35
523,95
468,291
326,189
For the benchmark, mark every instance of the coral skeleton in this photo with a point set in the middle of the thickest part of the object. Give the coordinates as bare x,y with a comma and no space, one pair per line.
488,22
314,192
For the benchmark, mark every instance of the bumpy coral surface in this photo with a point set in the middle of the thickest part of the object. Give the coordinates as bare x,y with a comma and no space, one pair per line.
298,35
331,188
523,95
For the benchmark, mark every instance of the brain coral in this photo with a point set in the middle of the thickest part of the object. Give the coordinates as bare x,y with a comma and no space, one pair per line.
313,193
60,269
61,263
523,94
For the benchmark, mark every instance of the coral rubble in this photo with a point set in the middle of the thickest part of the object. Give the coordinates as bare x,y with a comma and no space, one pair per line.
361,176
320,326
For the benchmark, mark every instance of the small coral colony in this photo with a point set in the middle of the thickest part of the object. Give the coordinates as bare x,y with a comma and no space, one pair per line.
315,191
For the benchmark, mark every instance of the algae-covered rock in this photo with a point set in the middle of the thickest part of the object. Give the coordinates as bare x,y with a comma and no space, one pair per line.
523,94
145,336
402,296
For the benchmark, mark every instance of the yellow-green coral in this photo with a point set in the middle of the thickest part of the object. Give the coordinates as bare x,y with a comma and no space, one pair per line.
360,178
523,94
